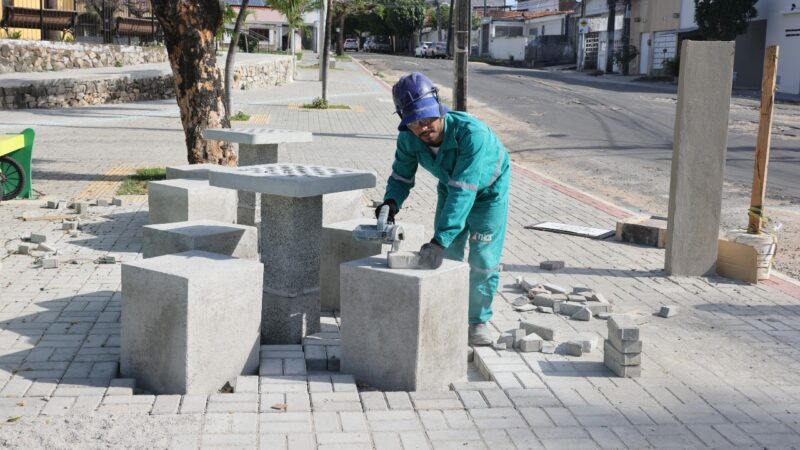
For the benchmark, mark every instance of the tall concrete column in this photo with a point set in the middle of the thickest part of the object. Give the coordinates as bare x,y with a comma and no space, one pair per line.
698,157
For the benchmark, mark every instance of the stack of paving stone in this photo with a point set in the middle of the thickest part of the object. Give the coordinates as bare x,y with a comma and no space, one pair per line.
323,350
580,303
623,348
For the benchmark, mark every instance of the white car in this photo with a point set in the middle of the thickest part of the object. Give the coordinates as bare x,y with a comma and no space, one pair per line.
422,49
351,44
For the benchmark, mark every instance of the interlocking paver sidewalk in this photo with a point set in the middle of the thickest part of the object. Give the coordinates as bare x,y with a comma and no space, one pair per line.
723,373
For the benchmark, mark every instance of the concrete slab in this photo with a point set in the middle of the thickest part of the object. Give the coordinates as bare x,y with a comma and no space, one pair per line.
190,171
190,321
698,157
292,180
182,200
239,241
404,330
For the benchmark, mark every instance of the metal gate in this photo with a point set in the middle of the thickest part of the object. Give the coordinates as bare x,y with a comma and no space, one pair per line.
591,46
485,39
664,45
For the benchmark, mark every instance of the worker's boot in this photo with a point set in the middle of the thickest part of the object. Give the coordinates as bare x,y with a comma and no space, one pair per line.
479,334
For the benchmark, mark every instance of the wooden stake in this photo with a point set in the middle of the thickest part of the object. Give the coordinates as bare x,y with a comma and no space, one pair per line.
763,143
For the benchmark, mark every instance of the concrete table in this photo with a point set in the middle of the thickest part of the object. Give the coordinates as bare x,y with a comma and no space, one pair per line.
256,146
291,230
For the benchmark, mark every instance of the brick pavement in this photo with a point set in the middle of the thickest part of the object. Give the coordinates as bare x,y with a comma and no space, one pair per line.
723,373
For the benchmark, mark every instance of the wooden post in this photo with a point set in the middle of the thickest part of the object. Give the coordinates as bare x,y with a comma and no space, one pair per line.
756,212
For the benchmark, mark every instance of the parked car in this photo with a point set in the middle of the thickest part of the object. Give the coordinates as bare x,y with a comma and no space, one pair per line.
549,50
351,44
419,52
437,50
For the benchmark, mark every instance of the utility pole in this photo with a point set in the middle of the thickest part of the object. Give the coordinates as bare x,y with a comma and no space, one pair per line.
323,10
438,21
626,38
326,49
612,21
450,30
461,57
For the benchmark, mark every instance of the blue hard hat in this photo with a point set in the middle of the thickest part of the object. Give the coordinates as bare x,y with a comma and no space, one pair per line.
416,98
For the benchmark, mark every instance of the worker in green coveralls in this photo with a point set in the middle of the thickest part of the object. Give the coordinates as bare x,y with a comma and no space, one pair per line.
474,175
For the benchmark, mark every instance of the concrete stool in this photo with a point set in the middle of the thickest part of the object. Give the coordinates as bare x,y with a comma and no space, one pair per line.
190,171
182,200
239,241
338,246
190,322
404,330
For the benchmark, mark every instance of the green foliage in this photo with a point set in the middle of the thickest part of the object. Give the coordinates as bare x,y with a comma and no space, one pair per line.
118,63
672,66
619,55
15,35
317,103
430,15
228,17
294,10
405,17
240,116
137,184
723,20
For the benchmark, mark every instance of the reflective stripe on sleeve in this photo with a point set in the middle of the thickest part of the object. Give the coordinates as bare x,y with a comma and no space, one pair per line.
404,180
463,185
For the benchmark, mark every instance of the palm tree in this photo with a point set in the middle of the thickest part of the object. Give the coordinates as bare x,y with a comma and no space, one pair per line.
294,11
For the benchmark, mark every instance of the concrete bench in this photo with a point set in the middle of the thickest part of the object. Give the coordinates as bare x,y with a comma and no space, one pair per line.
404,330
239,241
190,321
338,246
182,200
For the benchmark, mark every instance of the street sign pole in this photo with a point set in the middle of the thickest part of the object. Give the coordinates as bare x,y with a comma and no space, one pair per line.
461,56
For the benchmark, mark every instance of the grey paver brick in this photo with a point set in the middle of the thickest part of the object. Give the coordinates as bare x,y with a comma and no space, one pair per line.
398,400
166,405
193,404
373,400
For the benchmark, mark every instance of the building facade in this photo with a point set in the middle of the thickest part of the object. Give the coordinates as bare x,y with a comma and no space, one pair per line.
654,32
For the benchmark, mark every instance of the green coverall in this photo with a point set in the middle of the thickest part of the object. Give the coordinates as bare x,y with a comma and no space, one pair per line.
474,177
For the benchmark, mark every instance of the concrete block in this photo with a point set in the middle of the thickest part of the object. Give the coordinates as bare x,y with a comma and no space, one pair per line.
698,157
588,341
531,343
568,308
101,202
116,201
526,284
525,308
521,301
622,371
316,358
82,208
548,347
50,263
545,310
581,290
643,230
623,327
584,314
598,297
668,311
412,340
286,320
24,249
69,226
184,200
190,321
292,180
38,238
545,300
551,265
53,204
500,346
547,333
619,358
44,247
239,241
190,171
573,348
577,298
554,288
598,308
626,347
256,136
339,246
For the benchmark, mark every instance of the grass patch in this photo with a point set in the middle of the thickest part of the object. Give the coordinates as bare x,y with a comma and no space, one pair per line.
137,184
240,116
320,103
299,55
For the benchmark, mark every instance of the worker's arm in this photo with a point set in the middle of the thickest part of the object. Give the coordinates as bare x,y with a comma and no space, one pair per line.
404,169
462,188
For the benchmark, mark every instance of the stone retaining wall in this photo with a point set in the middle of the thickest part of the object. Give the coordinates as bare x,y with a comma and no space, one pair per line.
43,56
70,92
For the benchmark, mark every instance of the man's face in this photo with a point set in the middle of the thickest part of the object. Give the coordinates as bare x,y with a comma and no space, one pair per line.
428,130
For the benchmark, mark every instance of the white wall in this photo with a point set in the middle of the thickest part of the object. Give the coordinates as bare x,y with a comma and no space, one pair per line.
596,7
778,21
504,48
552,26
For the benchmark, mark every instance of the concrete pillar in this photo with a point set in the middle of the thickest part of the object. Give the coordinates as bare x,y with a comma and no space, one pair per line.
698,157
404,330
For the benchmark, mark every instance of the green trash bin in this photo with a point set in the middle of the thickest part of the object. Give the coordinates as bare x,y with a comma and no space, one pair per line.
16,154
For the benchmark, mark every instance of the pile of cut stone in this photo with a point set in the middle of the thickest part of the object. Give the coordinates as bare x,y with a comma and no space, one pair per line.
622,352
581,303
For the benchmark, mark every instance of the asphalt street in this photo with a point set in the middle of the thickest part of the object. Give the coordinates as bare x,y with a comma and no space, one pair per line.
584,121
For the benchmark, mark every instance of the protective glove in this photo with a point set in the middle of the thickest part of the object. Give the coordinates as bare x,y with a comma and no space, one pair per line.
392,209
431,255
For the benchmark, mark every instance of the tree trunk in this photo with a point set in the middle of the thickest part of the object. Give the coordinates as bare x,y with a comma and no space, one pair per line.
232,47
326,48
340,44
189,28
292,52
